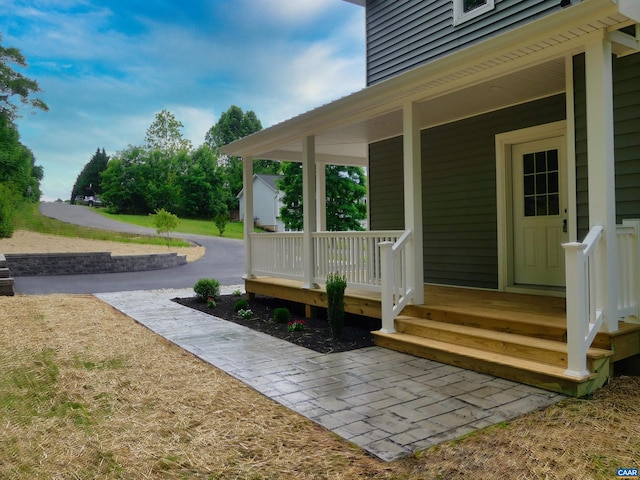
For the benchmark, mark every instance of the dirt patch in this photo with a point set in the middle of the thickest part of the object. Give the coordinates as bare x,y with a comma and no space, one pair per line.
31,242
316,334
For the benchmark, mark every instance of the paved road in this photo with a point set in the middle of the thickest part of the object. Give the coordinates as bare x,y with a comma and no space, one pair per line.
224,261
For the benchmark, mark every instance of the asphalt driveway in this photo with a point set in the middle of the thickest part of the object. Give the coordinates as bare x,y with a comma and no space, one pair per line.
224,261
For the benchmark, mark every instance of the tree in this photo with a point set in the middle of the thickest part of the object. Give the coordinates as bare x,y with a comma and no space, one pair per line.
88,181
14,84
345,192
20,177
164,134
165,222
291,185
232,125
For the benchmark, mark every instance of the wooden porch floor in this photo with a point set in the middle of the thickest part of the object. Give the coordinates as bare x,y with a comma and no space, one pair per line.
514,336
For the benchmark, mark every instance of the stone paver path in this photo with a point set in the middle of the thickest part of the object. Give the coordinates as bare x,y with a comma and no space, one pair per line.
390,404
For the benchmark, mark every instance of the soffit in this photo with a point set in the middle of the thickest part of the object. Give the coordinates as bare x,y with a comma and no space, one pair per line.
518,66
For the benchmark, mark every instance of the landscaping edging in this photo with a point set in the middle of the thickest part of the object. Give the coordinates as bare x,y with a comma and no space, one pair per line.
32,264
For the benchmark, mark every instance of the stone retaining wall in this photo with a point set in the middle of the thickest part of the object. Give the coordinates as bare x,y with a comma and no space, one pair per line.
23,265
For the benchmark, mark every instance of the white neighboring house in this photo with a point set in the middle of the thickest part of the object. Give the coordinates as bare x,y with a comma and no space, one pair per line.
267,200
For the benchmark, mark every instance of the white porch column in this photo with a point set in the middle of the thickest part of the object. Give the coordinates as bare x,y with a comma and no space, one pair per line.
600,155
247,181
321,204
412,165
309,208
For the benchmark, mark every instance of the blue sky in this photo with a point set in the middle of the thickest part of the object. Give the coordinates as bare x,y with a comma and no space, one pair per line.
107,67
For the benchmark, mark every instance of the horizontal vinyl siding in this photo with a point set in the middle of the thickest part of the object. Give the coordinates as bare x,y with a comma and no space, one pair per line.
386,190
626,89
626,112
459,192
402,34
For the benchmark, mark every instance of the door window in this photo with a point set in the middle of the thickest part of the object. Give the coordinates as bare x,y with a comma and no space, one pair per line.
541,183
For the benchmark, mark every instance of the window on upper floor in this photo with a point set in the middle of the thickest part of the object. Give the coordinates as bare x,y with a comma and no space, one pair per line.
464,10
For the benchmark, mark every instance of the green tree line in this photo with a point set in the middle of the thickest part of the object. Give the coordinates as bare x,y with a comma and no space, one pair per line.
19,175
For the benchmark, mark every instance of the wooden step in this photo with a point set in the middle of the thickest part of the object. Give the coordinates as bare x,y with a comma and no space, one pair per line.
520,323
3,261
539,374
537,349
5,272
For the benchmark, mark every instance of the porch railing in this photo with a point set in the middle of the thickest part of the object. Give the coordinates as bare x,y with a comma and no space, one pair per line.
584,315
353,254
628,235
277,254
398,280
356,255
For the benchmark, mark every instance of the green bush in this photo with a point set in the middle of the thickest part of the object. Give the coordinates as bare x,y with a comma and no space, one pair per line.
336,285
207,288
6,212
241,304
281,315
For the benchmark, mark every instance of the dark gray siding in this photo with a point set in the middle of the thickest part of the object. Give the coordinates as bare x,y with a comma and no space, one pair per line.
386,191
626,104
459,191
402,34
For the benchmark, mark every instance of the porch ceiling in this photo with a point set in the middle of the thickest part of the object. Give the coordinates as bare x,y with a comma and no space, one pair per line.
516,67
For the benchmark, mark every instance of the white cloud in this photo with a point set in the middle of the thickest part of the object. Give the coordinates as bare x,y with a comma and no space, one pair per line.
104,82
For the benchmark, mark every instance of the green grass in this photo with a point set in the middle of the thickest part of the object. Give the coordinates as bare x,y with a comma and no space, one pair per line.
29,218
185,225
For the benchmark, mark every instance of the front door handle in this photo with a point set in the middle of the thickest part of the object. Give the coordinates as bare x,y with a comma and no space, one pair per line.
564,225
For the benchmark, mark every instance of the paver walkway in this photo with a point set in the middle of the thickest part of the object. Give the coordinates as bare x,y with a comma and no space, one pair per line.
388,403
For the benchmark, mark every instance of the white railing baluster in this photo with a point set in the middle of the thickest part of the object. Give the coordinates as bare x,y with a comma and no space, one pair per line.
628,235
584,317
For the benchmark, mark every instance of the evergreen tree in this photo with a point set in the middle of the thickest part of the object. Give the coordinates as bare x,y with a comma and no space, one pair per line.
88,180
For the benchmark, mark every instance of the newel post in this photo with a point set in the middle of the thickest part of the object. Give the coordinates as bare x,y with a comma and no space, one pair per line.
577,315
386,272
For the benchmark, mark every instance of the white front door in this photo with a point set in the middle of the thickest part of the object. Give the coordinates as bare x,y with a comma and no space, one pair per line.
539,212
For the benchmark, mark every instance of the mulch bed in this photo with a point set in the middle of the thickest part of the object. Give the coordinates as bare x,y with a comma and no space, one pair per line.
316,334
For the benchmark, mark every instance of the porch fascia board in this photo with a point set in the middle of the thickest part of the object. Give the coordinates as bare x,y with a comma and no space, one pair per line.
553,36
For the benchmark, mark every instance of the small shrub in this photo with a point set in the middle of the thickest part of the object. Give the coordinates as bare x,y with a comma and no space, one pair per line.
211,302
336,285
281,315
296,326
245,313
207,288
241,304
236,293
221,223
165,222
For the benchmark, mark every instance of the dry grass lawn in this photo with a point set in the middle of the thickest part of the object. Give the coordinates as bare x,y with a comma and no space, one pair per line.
87,393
